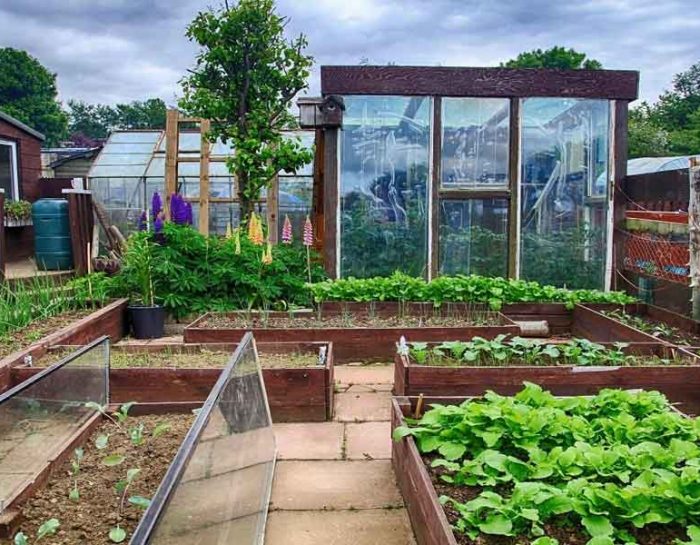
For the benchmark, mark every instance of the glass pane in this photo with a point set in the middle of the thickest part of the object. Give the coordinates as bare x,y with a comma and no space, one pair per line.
475,142
295,196
474,237
385,146
564,211
222,475
39,415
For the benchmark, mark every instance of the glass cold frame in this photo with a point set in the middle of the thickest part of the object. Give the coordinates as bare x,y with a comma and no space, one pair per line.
384,169
217,490
475,142
38,416
474,237
563,195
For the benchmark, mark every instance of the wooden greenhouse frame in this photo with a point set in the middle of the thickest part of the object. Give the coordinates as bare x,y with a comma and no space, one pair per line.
616,86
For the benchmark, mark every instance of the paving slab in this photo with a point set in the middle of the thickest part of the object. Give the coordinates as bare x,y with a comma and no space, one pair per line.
368,441
364,374
371,527
363,407
309,441
322,485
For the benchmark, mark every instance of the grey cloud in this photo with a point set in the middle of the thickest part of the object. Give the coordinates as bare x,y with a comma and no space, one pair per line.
117,50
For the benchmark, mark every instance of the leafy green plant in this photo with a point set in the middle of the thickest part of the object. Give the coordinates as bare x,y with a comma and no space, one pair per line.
607,463
78,454
118,534
48,528
460,288
18,210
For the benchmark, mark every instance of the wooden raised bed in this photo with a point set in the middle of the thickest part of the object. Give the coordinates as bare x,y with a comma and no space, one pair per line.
300,394
110,320
349,343
680,383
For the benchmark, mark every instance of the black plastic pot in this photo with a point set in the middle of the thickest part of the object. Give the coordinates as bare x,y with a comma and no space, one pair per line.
147,322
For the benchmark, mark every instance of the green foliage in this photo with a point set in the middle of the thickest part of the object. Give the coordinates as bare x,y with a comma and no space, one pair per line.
138,265
554,57
647,137
94,122
246,77
48,528
193,273
117,534
28,93
18,210
518,351
610,463
460,288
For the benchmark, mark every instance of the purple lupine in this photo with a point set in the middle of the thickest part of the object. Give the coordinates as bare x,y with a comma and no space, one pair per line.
156,204
178,210
158,224
188,213
143,221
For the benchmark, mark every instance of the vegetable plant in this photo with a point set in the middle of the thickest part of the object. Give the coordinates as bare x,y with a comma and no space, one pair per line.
48,528
78,454
608,464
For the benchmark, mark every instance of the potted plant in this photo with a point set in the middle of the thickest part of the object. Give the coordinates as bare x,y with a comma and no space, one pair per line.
146,316
18,213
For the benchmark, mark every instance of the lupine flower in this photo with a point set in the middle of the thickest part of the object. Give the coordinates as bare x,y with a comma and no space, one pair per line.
308,233
188,213
255,230
158,224
178,209
229,231
237,240
287,231
267,254
143,221
156,204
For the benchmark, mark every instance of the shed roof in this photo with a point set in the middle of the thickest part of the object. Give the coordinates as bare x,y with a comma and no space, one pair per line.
17,123
646,165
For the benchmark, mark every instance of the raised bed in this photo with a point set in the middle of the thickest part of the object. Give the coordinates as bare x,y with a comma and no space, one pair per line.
295,393
229,450
680,383
349,343
110,320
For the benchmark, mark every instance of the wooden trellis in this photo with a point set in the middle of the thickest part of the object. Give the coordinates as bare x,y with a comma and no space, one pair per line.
173,160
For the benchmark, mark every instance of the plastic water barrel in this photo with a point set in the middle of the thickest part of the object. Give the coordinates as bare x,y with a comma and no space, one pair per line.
52,247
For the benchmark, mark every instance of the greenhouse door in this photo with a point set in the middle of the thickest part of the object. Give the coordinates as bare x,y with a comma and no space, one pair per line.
471,186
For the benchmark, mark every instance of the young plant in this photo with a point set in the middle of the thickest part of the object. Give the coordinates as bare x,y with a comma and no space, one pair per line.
48,528
78,454
117,534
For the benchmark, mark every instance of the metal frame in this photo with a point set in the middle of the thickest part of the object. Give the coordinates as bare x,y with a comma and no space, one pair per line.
149,520
58,365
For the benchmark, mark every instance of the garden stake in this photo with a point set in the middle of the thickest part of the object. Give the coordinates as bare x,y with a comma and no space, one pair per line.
419,406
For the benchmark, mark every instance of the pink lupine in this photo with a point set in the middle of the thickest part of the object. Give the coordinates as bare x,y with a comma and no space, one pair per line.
287,231
308,233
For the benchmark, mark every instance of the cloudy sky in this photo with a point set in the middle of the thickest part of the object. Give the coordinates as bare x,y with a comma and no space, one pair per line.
120,50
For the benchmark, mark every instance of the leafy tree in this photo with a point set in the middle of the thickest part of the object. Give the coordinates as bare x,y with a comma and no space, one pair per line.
686,141
675,107
91,123
28,92
245,79
646,137
554,57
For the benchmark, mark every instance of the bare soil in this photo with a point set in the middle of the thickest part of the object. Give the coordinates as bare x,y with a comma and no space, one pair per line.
231,321
89,520
560,528
28,335
187,360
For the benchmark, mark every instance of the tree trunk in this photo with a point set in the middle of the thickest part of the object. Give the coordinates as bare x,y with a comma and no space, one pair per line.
246,204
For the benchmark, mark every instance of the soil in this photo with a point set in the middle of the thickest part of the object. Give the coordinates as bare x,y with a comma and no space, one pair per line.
559,528
28,335
89,520
228,321
656,328
181,360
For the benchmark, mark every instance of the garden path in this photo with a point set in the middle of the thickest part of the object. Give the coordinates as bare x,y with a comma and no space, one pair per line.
334,483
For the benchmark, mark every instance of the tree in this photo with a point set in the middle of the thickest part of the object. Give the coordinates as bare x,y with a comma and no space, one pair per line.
554,57
92,123
646,137
245,79
28,93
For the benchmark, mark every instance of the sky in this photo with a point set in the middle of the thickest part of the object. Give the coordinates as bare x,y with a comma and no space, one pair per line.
111,51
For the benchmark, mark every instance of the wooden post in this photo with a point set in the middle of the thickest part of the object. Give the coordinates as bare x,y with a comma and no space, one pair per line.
330,201
434,184
694,232
513,184
172,147
204,126
3,257
81,220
